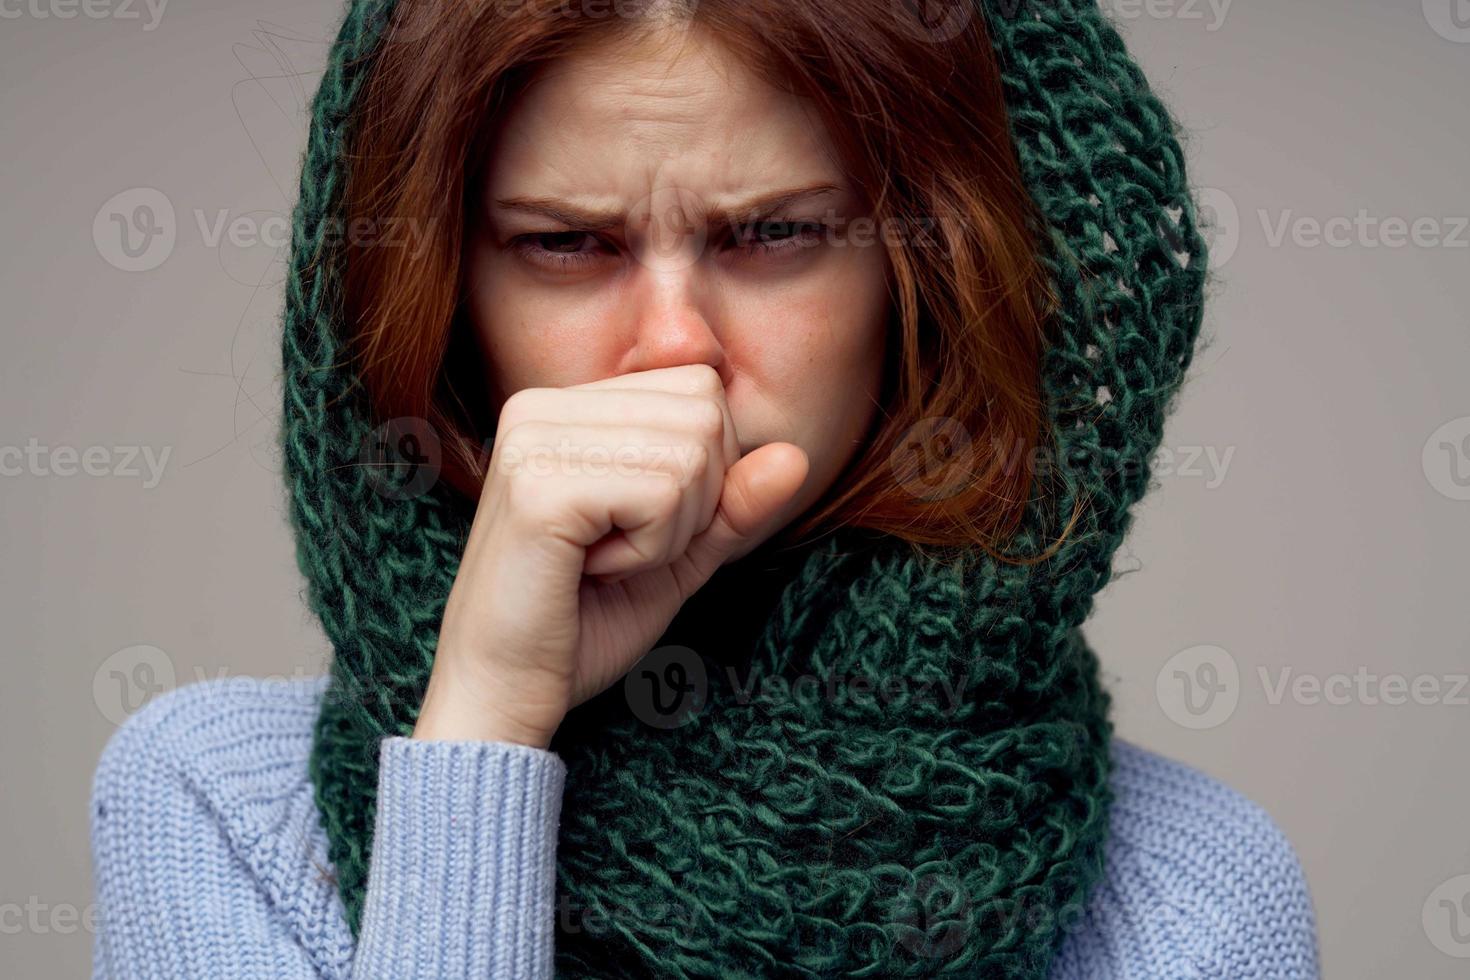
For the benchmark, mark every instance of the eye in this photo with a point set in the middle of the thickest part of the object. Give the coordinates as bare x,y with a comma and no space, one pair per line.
777,237
559,250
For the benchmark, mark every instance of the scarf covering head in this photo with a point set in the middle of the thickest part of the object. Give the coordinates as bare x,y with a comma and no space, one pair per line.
946,819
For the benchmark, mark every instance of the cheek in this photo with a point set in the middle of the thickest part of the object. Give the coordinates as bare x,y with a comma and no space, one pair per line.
533,337
818,359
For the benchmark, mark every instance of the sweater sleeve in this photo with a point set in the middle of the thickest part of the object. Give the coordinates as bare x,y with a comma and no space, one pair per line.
463,872
204,869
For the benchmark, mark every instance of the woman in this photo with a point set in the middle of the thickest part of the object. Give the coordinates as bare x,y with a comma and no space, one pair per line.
706,427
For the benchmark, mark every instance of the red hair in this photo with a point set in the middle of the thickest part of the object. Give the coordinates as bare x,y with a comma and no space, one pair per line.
921,127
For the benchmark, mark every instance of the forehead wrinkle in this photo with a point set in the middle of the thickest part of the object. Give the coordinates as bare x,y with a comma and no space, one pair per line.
609,126
747,208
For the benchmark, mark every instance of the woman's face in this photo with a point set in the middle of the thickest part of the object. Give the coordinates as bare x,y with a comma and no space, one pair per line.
595,257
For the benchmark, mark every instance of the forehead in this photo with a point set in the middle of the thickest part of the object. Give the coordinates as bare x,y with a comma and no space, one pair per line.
623,117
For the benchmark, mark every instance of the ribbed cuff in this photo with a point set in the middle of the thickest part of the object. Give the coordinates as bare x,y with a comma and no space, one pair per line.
463,870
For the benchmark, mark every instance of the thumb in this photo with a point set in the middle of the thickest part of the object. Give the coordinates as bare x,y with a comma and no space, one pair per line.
756,490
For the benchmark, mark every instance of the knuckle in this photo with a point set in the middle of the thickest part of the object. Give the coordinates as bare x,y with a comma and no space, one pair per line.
526,434
708,421
538,508
706,379
525,494
519,407
695,464
666,495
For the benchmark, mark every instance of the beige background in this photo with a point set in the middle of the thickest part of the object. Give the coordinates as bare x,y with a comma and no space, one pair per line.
1327,538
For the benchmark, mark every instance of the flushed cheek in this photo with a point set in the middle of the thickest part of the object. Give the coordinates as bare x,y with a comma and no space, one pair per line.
780,347
824,313
533,342
811,366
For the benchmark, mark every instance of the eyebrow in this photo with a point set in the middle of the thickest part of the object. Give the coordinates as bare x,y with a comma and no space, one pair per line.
745,212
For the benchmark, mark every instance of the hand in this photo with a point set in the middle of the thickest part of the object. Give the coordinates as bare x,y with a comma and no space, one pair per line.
606,506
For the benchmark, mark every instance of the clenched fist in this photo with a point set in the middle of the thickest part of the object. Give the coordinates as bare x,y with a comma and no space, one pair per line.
606,506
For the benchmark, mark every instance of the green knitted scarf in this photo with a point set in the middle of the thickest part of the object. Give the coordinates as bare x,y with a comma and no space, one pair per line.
946,819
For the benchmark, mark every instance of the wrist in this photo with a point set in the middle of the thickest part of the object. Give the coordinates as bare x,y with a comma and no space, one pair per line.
457,709
434,727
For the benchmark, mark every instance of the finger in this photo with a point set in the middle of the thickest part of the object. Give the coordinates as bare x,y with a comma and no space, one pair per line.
625,406
668,445
752,507
554,449
613,557
636,407
645,509
699,380
549,460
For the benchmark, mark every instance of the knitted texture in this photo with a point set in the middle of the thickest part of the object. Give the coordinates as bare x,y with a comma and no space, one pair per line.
809,836
208,856
210,859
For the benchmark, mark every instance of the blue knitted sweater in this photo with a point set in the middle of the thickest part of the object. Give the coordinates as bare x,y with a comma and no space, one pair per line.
210,861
